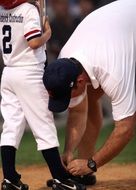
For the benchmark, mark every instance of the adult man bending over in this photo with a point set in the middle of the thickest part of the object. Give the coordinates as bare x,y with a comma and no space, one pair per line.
102,53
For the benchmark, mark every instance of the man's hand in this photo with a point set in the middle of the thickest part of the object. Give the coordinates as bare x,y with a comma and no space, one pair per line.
79,167
67,157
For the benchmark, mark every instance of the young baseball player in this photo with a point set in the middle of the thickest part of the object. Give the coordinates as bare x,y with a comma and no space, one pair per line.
24,97
100,53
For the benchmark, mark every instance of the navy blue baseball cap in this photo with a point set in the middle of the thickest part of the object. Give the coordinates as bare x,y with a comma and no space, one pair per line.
59,78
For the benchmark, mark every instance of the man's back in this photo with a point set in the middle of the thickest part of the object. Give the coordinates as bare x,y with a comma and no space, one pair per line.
103,26
103,36
105,44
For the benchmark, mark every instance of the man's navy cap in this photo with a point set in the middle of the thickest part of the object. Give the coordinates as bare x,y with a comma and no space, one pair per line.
59,78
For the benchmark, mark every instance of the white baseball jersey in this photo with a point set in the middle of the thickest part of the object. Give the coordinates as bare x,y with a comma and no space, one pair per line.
24,97
19,23
105,44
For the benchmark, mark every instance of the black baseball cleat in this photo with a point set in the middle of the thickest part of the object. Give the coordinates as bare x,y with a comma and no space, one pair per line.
88,179
67,184
7,185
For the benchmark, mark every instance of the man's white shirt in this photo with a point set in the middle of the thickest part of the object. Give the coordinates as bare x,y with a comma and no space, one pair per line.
105,44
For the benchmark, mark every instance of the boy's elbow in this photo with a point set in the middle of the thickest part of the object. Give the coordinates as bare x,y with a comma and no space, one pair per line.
34,44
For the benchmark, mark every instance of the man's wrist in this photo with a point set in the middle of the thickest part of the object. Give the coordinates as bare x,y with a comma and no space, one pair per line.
92,165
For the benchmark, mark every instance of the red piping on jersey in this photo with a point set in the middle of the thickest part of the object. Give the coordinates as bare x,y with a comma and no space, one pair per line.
31,32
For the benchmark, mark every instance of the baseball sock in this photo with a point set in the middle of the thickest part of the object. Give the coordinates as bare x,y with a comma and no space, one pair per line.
8,154
53,160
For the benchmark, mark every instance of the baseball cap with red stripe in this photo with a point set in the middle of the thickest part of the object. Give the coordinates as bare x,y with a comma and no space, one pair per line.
9,4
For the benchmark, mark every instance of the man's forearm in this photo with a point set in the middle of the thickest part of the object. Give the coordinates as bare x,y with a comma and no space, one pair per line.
120,136
76,125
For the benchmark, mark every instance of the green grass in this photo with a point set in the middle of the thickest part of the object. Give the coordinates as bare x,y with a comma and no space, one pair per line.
28,154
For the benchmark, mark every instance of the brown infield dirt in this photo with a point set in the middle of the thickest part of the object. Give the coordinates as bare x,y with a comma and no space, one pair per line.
109,177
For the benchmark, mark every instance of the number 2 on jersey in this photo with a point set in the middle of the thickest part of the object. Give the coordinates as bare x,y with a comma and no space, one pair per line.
7,47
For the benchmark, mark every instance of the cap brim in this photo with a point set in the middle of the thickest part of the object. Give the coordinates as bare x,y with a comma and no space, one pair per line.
59,105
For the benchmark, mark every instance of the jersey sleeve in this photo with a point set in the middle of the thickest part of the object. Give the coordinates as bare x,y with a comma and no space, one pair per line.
124,101
32,25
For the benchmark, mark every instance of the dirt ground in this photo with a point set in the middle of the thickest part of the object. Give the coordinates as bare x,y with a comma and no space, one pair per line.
109,177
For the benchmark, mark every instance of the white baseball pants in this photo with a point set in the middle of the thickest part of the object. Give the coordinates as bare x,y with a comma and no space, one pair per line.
24,98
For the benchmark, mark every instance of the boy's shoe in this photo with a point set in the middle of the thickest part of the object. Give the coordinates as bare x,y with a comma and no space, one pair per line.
67,184
7,185
88,179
